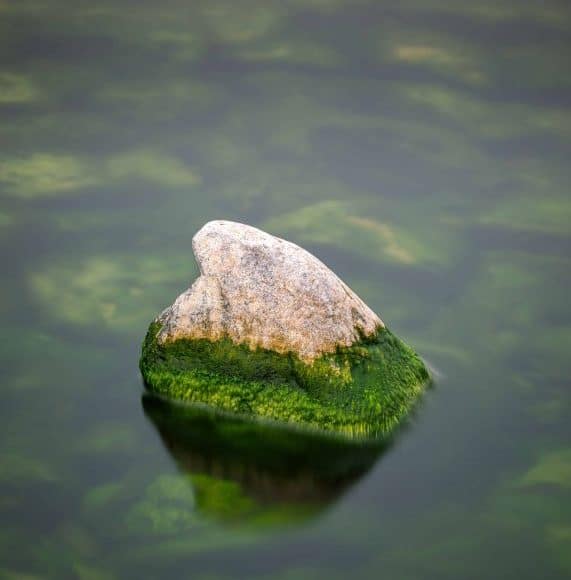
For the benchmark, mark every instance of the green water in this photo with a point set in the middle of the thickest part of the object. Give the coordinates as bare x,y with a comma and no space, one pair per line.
420,148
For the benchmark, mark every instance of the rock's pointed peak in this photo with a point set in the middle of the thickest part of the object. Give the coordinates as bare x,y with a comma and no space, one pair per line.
260,290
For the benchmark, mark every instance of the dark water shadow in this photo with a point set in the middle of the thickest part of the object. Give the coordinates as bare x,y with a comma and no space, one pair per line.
283,475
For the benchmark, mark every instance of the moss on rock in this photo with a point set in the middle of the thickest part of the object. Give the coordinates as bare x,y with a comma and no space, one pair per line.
360,391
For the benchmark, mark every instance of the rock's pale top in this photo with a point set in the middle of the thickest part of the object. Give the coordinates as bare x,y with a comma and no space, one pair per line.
262,291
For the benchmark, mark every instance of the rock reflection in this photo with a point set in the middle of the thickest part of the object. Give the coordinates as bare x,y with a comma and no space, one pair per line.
258,472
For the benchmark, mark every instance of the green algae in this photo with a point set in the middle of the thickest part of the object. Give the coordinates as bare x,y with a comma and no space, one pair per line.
16,88
17,469
553,468
111,286
398,234
360,391
44,175
167,507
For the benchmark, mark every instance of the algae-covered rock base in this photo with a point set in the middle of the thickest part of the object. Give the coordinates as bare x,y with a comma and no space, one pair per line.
269,332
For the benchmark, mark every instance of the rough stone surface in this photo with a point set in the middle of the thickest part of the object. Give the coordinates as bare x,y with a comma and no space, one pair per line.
262,291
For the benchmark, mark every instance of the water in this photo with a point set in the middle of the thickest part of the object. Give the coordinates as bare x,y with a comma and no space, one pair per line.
420,149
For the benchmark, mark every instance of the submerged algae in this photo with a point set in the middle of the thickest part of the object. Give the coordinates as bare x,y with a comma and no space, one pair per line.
359,391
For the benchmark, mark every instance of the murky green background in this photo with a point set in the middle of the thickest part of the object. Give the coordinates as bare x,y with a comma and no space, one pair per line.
420,148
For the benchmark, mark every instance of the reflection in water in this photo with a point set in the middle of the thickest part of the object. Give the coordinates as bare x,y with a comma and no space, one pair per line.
275,474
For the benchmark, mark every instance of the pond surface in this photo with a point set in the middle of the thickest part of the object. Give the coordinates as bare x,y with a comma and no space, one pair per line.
420,148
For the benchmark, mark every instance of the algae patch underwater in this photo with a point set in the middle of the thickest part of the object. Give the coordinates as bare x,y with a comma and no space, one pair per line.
269,332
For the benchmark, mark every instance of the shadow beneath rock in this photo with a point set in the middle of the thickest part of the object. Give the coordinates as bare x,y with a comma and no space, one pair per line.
250,471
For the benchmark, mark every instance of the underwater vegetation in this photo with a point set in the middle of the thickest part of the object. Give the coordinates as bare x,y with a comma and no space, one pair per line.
420,148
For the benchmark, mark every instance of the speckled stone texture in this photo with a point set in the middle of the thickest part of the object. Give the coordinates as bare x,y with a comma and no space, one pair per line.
262,291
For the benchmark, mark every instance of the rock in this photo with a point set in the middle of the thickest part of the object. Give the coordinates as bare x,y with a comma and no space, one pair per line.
268,331
262,291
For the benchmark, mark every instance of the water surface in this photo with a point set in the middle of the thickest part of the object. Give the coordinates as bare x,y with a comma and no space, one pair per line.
421,149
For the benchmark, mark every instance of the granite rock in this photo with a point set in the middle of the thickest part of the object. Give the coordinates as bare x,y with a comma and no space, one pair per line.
265,292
